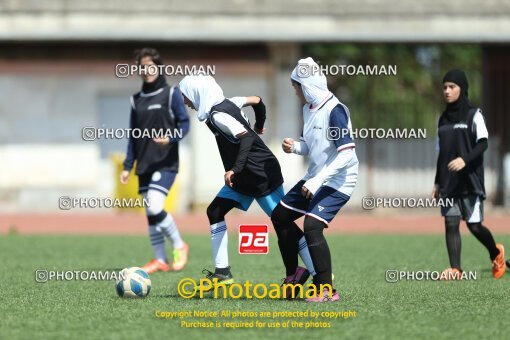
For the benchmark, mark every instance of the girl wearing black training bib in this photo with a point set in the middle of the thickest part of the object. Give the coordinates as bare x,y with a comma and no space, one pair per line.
157,107
462,140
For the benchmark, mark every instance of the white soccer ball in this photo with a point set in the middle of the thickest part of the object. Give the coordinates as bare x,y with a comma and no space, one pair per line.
133,282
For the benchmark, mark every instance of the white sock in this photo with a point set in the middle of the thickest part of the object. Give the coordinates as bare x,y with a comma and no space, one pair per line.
219,241
169,228
304,253
158,243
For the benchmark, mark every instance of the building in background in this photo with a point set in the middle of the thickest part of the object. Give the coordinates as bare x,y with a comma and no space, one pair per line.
57,76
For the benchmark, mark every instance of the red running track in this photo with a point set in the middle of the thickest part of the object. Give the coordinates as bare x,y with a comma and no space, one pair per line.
136,223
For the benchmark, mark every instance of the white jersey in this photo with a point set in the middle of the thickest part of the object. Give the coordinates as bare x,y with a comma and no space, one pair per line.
228,124
327,136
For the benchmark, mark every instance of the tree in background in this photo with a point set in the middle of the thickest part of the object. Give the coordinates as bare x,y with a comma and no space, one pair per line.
412,98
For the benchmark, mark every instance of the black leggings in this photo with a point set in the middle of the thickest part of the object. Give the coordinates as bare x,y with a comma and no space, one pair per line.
453,240
288,234
288,237
319,250
218,208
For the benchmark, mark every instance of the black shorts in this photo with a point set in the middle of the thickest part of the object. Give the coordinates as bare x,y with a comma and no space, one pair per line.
161,181
469,208
323,206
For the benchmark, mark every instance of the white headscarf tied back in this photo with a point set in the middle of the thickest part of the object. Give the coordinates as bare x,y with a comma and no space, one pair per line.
313,82
203,92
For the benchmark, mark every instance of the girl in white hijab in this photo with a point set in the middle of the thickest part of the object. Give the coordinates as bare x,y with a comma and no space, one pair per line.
332,171
252,170
203,92
313,83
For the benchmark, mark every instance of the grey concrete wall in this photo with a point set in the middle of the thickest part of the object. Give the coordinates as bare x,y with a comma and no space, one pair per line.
253,20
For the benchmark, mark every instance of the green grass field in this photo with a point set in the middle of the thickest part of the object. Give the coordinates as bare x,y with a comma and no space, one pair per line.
92,310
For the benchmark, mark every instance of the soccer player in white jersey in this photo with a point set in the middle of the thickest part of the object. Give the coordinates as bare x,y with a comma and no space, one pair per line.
332,171
252,171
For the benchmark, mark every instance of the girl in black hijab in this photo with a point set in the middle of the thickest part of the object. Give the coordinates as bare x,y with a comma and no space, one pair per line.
462,139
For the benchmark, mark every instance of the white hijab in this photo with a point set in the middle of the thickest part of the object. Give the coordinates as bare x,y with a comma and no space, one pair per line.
313,83
203,92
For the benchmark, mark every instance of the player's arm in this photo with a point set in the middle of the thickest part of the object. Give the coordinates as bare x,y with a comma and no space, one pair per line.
181,115
245,143
344,145
435,189
230,126
299,147
481,145
181,120
477,151
482,137
130,153
343,158
260,112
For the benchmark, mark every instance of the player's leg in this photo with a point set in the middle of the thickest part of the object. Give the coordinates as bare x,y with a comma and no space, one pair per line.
163,222
323,207
319,250
452,216
473,208
288,234
159,262
453,246
225,200
216,212
291,240
453,240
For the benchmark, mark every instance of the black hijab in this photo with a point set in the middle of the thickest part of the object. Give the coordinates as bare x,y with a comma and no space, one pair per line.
158,83
459,110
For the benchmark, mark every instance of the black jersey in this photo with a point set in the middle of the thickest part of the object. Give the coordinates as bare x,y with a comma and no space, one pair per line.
262,173
153,112
457,140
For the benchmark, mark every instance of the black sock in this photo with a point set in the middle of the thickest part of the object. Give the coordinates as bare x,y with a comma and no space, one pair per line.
321,258
453,241
288,240
319,251
222,271
485,237
288,236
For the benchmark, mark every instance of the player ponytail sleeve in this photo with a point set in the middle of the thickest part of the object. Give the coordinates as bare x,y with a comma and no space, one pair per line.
181,115
436,179
300,148
130,154
477,151
245,143
260,114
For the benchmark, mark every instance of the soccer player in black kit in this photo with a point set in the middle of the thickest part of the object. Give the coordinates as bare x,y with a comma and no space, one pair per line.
252,171
462,140
156,110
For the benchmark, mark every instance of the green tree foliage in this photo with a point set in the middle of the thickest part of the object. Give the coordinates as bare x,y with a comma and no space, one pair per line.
412,98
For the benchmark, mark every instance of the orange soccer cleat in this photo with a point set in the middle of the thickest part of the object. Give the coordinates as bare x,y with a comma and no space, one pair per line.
156,265
451,274
498,265
180,257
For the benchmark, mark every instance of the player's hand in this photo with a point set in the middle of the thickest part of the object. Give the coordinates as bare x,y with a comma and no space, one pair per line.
287,145
457,164
435,192
259,131
228,178
162,141
124,177
306,193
